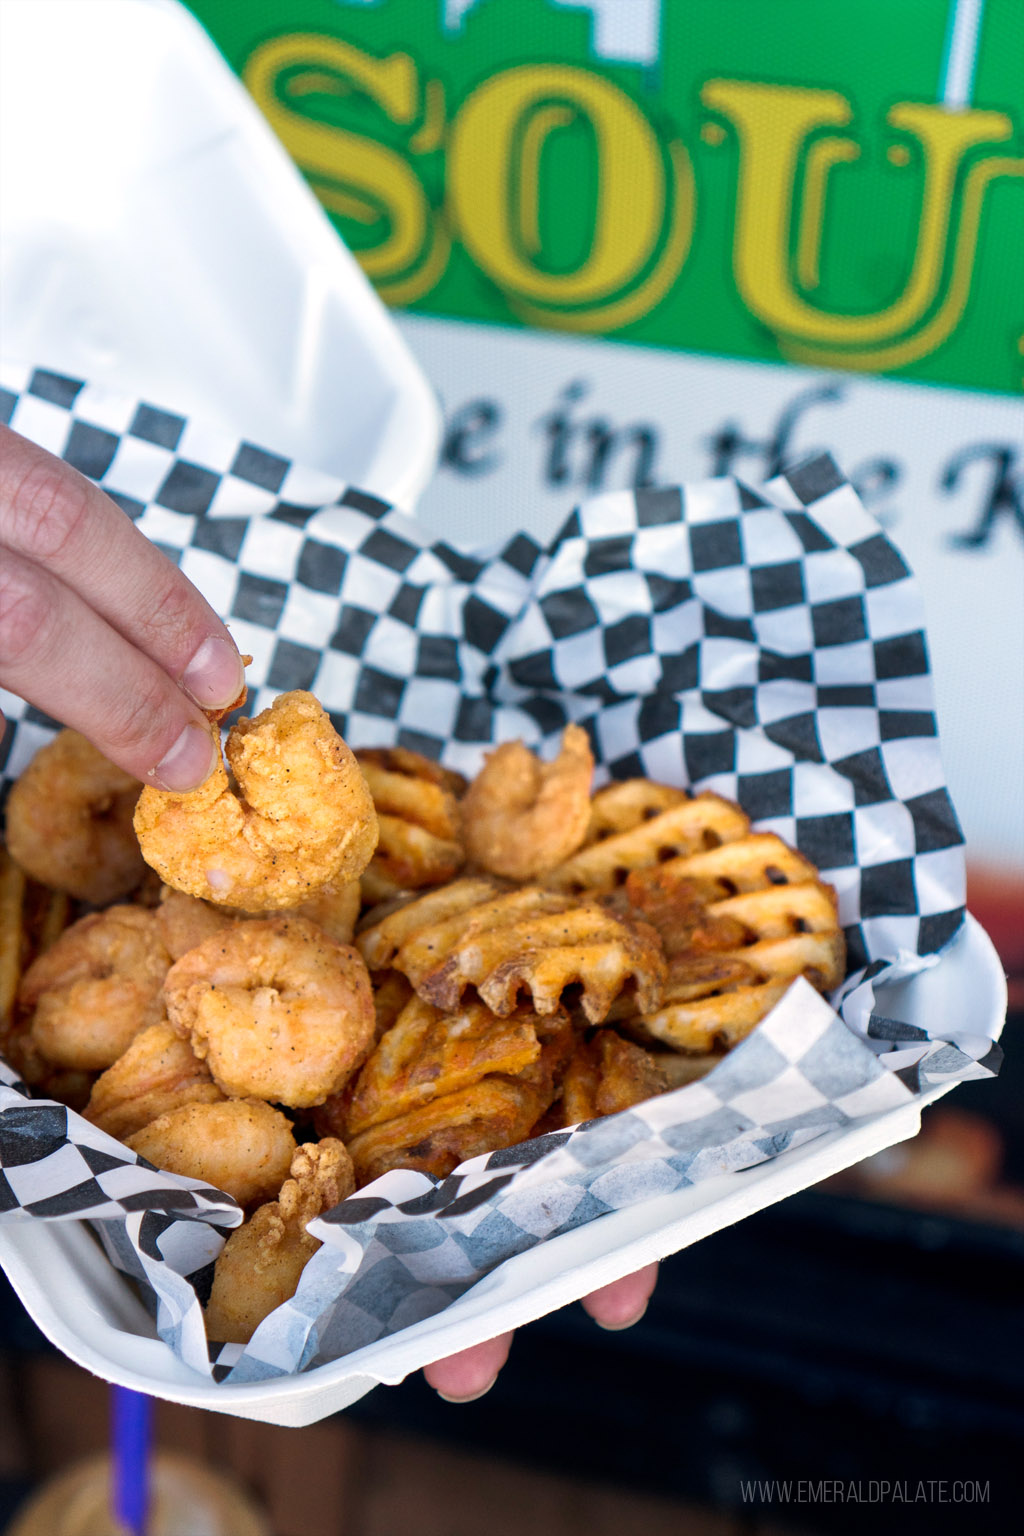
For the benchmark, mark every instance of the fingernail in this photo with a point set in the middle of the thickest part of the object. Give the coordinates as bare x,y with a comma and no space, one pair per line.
618,1327
470,1397
189,762
215,675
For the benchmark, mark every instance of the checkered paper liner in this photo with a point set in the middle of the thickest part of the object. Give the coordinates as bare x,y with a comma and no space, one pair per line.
766,643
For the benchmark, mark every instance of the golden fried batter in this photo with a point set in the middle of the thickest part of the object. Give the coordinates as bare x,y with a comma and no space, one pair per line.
69,822
302,815
95,988
278,1010
262,1261
241,1146
185,921
522,817
158,1072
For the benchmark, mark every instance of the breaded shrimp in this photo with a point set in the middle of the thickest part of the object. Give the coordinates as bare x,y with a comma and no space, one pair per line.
186,921
262,1261
99,984
69,822
335,909
158,1072
241,1146
520,816
278,1010
301,817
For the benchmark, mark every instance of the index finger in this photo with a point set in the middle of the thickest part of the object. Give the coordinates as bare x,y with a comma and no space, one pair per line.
60,521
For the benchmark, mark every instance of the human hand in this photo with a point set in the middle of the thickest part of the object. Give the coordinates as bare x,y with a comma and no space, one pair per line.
100,630
468,1375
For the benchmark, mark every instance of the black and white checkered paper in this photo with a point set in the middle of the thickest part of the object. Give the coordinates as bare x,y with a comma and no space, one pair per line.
766,643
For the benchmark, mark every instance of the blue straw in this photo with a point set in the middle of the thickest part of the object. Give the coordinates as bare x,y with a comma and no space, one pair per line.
132,1436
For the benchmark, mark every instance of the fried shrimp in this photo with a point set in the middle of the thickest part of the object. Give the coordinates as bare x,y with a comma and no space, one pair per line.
522,817
157,1073
262,1261
241,1146
99,984
276,1008
301,816
69,822
185,921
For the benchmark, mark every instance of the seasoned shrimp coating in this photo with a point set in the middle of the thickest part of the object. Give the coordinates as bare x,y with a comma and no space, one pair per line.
95,988
335,909
186,921
241,1146
522,817
69,822
158,1072
262,1261
300,817
276,1008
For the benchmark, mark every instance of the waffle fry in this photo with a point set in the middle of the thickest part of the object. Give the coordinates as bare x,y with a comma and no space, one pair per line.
607,1074
536,941
383,932
493,1113
725,1018
426,1054
785,931
418,814
687,827
627,803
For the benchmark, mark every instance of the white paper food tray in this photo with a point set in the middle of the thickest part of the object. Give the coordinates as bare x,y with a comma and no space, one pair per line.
91,1313
155,237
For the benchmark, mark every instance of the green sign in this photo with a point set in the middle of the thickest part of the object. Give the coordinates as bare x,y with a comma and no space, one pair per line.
838,183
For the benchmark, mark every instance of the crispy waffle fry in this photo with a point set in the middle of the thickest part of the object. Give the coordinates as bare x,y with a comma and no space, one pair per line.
625,804
738,923
414,764
536,941
750,864
680,1068
704,822
418,814
426,1054
725,1018
383,933
607,1074
492,1113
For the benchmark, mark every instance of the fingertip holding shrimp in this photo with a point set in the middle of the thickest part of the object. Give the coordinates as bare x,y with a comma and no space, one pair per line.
521,817
300,817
